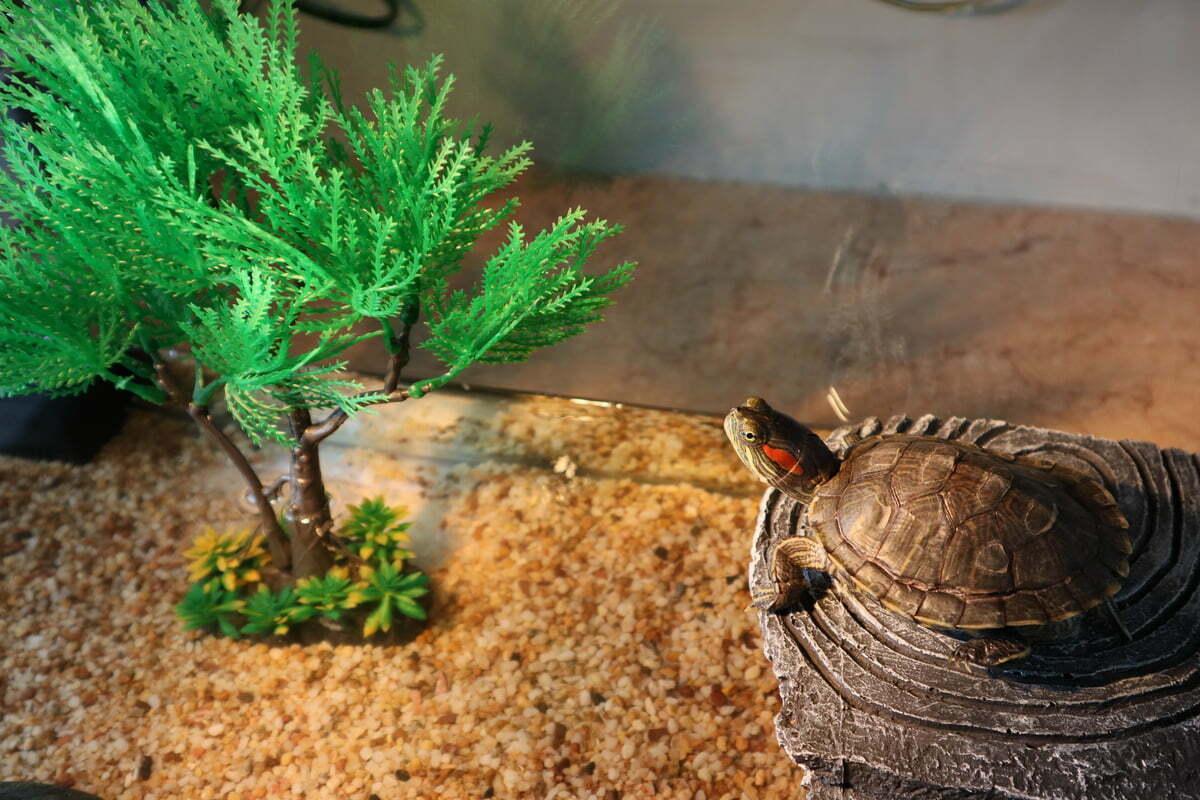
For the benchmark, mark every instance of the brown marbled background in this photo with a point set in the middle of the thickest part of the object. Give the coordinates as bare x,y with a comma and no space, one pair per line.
1081,320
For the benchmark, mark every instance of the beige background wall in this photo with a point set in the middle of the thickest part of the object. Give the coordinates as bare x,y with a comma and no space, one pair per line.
906,293
1076,102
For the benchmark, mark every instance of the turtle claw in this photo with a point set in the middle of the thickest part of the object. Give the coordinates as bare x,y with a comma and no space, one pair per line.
988,652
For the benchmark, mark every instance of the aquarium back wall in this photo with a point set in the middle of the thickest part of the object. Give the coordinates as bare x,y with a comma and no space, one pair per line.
1059,102
837,193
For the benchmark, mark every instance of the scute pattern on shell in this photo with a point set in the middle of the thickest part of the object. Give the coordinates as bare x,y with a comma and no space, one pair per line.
960,537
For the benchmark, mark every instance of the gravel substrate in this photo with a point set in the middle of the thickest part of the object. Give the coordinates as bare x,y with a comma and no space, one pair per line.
590,635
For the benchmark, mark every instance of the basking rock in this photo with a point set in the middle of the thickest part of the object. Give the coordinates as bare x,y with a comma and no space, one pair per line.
873,706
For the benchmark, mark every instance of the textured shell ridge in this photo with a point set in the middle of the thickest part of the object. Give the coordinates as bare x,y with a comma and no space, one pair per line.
957,536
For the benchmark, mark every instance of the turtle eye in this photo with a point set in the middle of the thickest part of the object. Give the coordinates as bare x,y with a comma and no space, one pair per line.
749,436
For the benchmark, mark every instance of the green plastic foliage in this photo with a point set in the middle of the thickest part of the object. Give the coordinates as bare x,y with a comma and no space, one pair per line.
330,594
231,560
185,188
224,567
207,605
96,269
532,294
389,591
374,533
274,612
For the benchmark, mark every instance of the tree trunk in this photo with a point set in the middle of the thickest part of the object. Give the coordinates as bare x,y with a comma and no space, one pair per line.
308,515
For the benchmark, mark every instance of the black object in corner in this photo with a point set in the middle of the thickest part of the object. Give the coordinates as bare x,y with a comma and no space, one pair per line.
22,790
62,428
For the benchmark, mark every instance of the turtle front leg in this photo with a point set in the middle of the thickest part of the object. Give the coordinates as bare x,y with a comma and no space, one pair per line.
789,559
989,652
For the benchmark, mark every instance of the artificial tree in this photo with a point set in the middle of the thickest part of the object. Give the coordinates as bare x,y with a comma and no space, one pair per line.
186,188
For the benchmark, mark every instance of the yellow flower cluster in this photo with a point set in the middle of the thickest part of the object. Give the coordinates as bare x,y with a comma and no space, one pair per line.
234,559
372,530
339,572
385,540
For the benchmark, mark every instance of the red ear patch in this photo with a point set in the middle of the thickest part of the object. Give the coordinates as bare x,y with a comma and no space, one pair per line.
784,459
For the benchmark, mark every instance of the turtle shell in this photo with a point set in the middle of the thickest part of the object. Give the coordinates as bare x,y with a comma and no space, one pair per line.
960,537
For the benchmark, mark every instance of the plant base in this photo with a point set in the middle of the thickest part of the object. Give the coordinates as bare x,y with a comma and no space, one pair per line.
403,631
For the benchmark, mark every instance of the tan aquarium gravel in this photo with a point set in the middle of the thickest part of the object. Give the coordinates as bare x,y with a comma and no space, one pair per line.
590,636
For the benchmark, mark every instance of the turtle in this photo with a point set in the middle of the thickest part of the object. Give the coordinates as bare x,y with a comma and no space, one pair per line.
958,537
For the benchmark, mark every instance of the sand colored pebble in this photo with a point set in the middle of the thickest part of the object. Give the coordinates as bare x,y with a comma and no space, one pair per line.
589,635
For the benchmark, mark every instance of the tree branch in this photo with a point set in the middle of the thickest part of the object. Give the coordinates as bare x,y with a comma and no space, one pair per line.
167,381
276,538
315,434
272,491
400,350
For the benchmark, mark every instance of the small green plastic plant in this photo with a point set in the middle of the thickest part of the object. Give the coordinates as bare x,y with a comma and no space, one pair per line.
375,533
388,589
372,578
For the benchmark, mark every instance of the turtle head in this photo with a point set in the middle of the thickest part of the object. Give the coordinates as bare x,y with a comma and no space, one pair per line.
779,450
